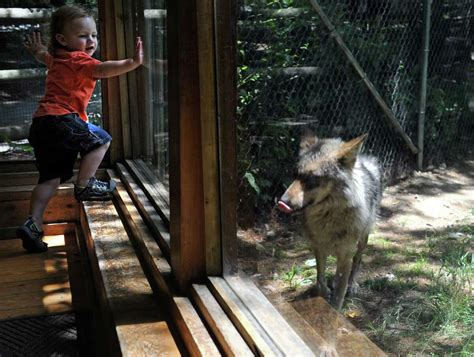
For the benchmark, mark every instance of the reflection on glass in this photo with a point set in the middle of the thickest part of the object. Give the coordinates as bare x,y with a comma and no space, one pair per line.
156,83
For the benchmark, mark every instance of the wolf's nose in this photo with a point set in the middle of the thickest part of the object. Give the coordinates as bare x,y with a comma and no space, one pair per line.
282,206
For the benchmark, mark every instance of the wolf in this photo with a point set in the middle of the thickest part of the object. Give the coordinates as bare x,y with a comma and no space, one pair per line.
337,191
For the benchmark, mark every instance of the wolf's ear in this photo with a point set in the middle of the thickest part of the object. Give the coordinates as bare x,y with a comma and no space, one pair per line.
308,139
347,153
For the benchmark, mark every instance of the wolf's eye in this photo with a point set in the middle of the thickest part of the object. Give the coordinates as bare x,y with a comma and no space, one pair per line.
311,182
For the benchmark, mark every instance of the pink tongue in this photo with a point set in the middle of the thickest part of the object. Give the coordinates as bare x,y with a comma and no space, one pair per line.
284,207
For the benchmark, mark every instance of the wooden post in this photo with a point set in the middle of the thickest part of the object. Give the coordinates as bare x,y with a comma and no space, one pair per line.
424,81
186,177
226,79
139,128
207,81
110,86
120,41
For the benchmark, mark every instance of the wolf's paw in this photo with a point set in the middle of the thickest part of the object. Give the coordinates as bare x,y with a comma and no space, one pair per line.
328,351
323,291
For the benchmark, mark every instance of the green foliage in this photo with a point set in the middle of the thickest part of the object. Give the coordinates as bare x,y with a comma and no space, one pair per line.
298,276
22,147
449,126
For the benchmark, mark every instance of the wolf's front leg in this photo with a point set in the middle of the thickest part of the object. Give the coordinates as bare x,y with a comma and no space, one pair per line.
321,285
341,279
353,287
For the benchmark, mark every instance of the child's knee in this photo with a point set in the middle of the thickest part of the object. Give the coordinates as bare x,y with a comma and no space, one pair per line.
49,184
105,146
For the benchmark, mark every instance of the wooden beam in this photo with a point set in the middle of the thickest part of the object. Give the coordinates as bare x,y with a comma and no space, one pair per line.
18,193
161,187
109,344
149,250
139,134
110,87
93,317
137,321
277,328
143,77
159,229
188,258
153,189
18,178
195,335
60,209
123,79
243,319
208,106
226,77
229,338
17,166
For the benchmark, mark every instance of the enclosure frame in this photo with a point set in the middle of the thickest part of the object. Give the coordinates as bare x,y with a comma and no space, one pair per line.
202,135
202,59
202,130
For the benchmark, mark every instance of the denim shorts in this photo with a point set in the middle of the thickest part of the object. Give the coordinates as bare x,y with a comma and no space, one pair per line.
57,140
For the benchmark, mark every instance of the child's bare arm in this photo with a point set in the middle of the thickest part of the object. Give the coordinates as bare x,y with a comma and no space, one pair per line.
114,68
34,45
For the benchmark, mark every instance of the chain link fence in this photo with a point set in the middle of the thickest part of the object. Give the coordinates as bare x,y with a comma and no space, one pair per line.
293,75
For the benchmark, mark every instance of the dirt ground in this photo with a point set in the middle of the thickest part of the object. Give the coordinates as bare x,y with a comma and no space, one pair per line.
394,272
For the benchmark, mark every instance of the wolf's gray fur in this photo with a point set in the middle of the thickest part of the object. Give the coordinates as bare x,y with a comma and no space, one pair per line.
338,192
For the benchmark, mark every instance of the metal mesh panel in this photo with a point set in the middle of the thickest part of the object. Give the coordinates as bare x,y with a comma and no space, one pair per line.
449,130
19,97
293,76
52,335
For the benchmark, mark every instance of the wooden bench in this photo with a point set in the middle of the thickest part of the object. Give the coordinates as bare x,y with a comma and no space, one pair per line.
195,336
136,322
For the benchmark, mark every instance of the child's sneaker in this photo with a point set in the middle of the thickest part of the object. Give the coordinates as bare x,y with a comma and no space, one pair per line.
31,236
95,190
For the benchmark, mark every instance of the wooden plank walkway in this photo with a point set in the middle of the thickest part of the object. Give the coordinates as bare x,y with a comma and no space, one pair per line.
38,284
119,284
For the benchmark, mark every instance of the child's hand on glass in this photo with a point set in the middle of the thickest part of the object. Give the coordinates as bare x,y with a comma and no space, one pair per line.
138,57
33,43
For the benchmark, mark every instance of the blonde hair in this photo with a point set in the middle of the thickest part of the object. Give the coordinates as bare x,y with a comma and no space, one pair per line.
59,19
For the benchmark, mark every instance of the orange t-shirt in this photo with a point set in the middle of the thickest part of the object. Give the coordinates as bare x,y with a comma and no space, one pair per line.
69,84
